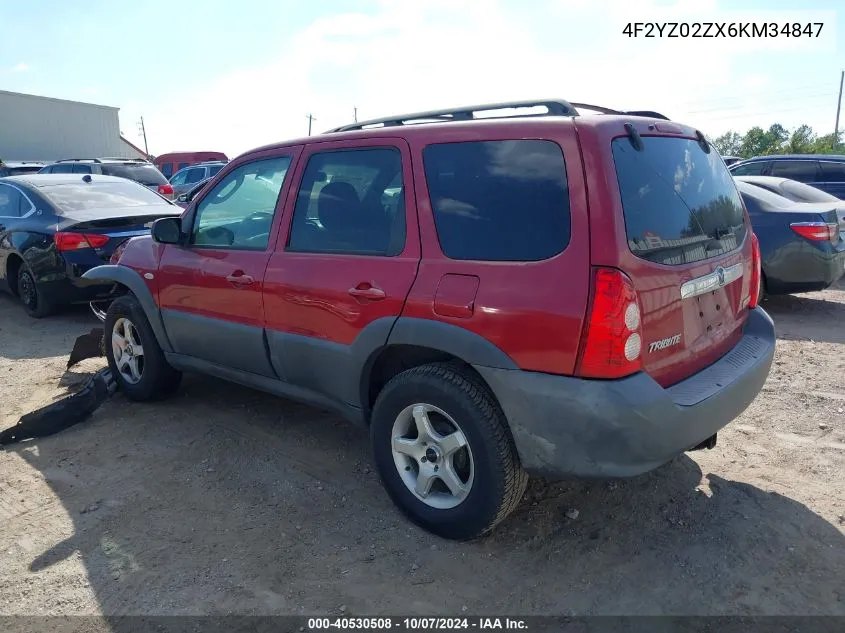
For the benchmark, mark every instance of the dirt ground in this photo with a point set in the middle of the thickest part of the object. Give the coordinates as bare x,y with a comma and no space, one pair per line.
224,500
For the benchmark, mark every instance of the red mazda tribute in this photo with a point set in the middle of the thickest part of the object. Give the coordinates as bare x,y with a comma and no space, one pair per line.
552,294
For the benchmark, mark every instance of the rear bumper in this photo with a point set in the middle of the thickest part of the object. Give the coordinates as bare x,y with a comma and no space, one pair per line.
807,269
565,426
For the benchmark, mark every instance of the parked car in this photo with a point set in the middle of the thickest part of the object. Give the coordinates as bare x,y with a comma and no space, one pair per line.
790,189
185,199
823,171
802,245
53,228
184,180
16,168
730,160
172,162
510,310
136,169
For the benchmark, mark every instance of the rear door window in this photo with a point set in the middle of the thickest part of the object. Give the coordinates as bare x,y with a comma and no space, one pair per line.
64,168
680,203
499,200
833,172
194,175
82,169
800,170
757,168
167,170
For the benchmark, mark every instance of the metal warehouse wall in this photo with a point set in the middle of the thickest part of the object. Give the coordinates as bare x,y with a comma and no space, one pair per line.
40,128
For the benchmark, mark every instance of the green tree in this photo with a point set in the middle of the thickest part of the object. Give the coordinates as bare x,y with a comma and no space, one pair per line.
729,144
801,141
826,144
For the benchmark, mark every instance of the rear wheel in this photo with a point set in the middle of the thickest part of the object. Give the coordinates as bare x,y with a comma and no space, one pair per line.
134,355
32,295
444,452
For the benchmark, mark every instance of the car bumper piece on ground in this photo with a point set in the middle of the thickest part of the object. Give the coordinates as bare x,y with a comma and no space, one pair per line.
565,426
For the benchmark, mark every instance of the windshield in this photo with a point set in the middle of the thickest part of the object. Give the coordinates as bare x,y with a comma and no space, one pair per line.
680,202
101,195
806,193
145,174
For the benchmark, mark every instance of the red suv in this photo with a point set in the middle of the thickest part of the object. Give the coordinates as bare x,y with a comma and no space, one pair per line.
560,295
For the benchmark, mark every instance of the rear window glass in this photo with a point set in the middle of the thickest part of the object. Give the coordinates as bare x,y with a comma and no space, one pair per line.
680,203
100,195
499,200
145,174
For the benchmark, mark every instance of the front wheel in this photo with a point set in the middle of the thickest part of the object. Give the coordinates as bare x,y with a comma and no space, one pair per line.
134,355
444,451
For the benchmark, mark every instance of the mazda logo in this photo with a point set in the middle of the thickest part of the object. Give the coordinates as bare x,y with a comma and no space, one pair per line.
720,273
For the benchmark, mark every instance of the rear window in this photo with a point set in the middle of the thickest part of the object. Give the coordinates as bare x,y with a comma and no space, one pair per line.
145,174
499,200
680,203
757,168
100,195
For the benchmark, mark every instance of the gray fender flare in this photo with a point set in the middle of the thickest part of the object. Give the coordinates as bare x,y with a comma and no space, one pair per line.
451,339
132,280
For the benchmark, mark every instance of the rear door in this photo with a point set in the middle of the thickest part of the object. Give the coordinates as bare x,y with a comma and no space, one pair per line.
210,288
804,170
340,275
688,251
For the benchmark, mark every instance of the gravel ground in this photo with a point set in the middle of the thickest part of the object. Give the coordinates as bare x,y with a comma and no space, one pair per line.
224,500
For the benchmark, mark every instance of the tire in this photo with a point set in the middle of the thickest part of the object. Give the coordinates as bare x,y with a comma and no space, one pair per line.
142,377
490,481
32,295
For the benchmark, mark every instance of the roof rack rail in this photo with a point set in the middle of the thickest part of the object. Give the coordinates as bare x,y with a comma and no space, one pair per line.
79,160
554,107
126,160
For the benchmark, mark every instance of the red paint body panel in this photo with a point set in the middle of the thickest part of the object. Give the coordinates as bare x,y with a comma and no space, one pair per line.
533,311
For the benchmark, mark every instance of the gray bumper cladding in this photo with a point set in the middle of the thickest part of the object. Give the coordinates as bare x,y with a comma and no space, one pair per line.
566,426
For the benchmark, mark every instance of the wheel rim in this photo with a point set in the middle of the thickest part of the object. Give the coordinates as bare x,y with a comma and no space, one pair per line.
128,351
432,456
26,288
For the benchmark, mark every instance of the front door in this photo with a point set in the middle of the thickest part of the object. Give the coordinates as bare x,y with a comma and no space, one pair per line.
210,288
340,274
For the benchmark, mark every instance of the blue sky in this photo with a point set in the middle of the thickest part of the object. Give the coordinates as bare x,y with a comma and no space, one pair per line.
224,75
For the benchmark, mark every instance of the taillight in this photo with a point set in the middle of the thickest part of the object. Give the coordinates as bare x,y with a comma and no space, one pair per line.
67,241
165,190
756,273
612,343
817,231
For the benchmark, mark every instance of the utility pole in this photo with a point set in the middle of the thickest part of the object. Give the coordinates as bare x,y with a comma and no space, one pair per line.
143,131
310,118
838,108
355,114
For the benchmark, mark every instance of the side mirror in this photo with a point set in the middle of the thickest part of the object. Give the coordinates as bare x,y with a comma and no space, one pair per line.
167,230
183,198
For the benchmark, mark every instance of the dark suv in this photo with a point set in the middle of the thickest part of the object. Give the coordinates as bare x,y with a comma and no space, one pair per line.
557,295
136,169
823,171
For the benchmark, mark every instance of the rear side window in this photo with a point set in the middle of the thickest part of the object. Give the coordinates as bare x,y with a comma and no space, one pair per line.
800,170
65,168
757,168
833,172
499,200
12,203
214,170
145,174
680,203
82,169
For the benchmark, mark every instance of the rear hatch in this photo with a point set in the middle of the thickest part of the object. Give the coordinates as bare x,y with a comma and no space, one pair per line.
689,251
144,173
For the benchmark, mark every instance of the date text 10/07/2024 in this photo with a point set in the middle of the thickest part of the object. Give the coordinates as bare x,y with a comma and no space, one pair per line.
724,29
418,624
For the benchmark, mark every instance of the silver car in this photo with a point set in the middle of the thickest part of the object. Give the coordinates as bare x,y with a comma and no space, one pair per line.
185,179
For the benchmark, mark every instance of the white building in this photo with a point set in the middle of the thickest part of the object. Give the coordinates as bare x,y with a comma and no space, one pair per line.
44,129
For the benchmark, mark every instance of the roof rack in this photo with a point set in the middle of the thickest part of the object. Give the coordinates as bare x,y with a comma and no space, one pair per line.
126,160
79,160
554,107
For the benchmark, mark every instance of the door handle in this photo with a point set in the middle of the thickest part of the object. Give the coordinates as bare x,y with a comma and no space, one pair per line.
367,291
240,279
